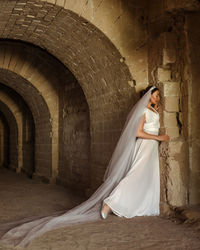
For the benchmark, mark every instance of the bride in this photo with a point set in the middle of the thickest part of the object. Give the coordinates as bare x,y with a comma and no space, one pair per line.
138,193
131,184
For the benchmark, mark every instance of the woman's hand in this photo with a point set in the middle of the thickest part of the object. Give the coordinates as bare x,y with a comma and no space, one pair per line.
164,137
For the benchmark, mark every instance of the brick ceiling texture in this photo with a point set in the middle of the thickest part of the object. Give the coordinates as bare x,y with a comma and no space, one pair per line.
80,46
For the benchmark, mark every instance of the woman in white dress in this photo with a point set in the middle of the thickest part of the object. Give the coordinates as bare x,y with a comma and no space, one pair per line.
138,193
131,182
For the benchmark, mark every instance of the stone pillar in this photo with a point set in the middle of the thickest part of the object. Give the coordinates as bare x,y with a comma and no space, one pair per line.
173,154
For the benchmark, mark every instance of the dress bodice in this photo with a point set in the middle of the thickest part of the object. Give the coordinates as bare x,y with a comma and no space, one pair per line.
152,123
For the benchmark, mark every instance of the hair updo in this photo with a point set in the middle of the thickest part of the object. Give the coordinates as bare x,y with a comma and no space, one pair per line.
144,91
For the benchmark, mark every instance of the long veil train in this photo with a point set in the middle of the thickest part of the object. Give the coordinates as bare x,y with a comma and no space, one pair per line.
24,231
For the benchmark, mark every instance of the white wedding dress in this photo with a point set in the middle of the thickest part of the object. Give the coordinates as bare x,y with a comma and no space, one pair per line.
131,184
138,193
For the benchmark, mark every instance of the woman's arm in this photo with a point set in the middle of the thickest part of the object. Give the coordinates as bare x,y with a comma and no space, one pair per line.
145,135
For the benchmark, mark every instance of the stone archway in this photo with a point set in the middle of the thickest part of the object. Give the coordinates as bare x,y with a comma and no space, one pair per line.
41,88
34,101
98,67
17,114
25,128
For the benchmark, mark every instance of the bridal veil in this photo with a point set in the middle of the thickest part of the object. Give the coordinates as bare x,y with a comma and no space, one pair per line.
24,231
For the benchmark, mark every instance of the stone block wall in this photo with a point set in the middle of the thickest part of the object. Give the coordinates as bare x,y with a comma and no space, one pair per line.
191,76
173,60
175,167
30,75
164,72
89,54
74,137
28,142
112,51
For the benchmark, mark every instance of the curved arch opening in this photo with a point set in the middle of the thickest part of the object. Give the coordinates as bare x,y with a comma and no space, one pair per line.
60,113
92,59
27,127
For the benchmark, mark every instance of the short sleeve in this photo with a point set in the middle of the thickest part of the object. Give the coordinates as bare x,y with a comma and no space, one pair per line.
145,110
146,113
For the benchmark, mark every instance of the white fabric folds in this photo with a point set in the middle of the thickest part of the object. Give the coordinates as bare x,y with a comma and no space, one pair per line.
138,193
23,232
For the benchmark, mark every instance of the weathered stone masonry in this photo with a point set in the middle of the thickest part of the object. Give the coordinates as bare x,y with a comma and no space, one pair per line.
79,66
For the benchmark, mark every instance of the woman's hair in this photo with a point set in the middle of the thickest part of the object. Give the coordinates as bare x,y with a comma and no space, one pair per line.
144,91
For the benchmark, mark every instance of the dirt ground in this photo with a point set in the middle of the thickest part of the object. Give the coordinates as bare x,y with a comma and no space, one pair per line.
22,197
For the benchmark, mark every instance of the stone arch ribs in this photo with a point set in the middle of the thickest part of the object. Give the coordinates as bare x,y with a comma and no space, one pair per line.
92,59
40,114
25,128
30,72
15,110
121,21
36,82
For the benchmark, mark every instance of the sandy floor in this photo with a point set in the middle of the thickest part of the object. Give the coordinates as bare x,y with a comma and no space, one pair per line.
21,197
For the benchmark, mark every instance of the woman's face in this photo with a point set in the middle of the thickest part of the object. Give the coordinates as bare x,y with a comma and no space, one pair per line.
155,97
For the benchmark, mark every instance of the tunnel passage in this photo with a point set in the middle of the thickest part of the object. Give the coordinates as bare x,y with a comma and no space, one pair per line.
39,112
103,98
55,110
25,129
10,145
83,88
92,59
